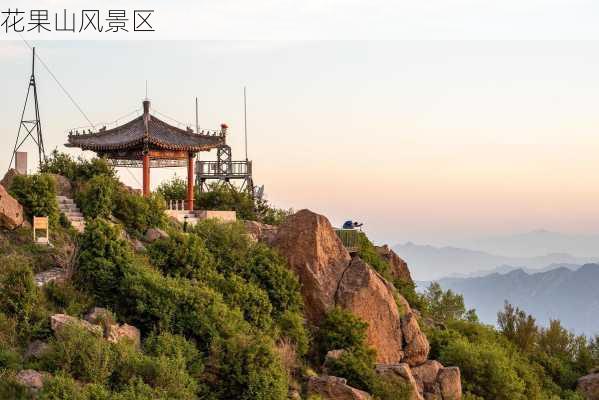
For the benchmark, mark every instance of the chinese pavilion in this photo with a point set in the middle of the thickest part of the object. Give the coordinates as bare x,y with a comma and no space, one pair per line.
148,142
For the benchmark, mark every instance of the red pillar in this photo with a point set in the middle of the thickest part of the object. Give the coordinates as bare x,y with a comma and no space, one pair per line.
190,177
146,175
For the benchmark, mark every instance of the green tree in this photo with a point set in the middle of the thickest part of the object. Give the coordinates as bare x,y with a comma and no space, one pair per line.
445,306
519,327
37,195
175,189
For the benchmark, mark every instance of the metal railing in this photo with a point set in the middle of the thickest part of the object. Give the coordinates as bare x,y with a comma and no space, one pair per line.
216,168
177,205
349,238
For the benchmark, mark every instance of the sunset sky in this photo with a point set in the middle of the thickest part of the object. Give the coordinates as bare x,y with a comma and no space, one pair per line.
426,141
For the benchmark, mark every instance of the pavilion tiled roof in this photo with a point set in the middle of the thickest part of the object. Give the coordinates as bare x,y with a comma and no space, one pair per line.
133,135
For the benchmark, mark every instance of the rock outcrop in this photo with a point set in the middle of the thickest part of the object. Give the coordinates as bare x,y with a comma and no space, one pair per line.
31,379
63,185
116,333
333,388
154,234
330,277
366,294
589,386
416,344
59,321
11,212
259,232
398,267
404,373
317,256
99,321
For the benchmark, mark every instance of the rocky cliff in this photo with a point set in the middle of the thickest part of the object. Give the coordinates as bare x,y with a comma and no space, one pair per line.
330,277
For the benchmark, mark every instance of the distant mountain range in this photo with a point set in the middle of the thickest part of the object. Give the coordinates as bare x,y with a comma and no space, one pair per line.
535,243
429,262
570,295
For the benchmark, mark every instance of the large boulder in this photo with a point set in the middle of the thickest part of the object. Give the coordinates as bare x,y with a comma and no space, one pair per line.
416,346
116,333
333,388
154,234
369,296
31,379
403,372
259,232
313,250
398,267
11,212
589,386
426,375
63,185
450,383
59,321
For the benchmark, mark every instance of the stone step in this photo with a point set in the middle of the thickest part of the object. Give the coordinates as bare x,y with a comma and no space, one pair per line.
75,218
73,214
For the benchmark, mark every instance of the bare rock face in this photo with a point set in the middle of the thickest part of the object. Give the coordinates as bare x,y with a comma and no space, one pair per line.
450,383
11,212
99,315
63,185
333,388
399,268
59,321
416,346
154,234
402,371
589,386
116,333
317,256
426,375
366,294
259,232
31,379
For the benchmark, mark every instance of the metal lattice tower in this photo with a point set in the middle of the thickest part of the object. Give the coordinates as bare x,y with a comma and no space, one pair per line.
33,126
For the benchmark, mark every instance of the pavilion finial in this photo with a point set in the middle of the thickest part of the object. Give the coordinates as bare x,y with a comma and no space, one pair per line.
146,104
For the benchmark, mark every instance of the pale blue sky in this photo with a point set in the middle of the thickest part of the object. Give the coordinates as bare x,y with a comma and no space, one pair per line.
429,141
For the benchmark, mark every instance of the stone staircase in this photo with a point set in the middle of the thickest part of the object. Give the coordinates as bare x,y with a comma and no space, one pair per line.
183,215
71,211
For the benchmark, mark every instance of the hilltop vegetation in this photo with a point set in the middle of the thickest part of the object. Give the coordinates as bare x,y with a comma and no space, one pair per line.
223,316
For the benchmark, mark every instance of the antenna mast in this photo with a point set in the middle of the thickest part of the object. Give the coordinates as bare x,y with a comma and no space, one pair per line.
197,123
32,127
245,122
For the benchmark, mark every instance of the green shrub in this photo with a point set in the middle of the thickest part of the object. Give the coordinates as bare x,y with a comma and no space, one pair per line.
59,387
19,293
139,213
249,298
103,259
37,195
80,353
77,170
182,255
356,364
247,368
95,197
225,197
178,348
66,299
292,325
175,189
10,388
340,330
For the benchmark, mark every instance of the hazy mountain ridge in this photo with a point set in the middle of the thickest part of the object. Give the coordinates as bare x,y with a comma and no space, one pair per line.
430,262
537,242
561,293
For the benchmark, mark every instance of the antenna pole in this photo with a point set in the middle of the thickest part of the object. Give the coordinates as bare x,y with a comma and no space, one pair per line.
197,121
146,89
245,122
